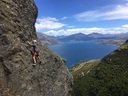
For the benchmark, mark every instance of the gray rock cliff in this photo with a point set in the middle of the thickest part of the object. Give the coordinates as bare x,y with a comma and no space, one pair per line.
17,75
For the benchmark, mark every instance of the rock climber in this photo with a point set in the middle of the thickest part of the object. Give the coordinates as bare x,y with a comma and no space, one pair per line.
34,45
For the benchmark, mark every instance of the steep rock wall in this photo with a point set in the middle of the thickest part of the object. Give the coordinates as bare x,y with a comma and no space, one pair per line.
17,75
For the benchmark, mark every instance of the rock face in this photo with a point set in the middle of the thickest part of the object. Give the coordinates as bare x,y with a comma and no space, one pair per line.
17,75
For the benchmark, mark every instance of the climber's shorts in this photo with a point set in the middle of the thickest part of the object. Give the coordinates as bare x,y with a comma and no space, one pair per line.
36,53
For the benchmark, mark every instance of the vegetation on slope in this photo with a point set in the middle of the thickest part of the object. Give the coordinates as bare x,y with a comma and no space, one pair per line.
108,78
83,68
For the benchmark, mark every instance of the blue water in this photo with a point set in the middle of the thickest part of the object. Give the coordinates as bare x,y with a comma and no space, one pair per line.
74,52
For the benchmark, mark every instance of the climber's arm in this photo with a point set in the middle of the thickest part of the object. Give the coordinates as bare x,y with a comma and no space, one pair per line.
29,43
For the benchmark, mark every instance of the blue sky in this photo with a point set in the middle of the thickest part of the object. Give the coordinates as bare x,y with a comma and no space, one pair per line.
66,17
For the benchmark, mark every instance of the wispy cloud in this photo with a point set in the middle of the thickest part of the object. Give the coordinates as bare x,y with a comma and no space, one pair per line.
48,23
114,13
70,26
64,18
116,30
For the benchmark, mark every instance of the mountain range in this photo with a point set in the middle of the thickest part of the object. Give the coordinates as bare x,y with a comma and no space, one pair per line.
116,39
47,40
83,37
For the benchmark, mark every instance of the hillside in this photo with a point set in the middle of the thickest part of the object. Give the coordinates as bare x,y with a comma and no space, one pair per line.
108,78
45,39
83,67
17,75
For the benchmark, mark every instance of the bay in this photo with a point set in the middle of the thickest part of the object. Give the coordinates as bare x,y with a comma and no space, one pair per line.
75,52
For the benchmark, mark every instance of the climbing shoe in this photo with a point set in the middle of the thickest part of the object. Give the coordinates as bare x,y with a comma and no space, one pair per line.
34,64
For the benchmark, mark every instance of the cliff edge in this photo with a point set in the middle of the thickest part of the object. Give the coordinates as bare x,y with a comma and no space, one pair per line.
17,75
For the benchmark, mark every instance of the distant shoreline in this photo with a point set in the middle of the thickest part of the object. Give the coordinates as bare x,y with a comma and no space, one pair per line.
113,42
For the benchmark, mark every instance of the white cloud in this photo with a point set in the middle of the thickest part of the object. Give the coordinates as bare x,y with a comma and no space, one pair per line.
114,13
48,23
125,26
64,18
116,30
71,26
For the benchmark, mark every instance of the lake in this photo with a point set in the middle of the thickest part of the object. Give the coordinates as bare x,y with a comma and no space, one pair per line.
74,52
